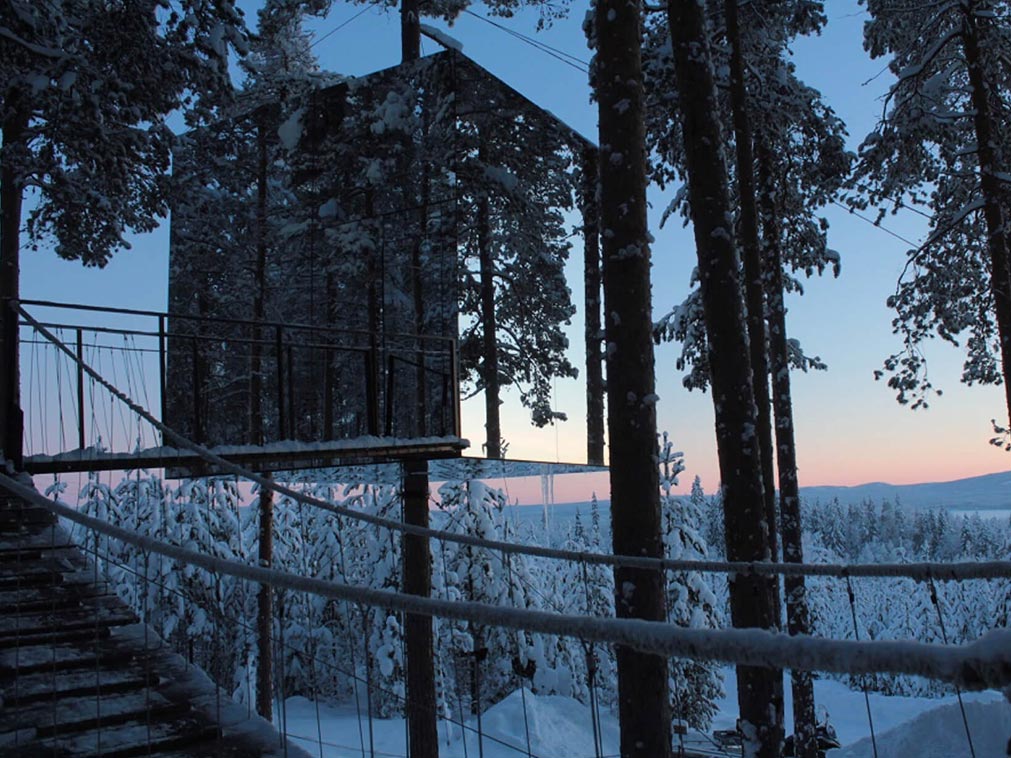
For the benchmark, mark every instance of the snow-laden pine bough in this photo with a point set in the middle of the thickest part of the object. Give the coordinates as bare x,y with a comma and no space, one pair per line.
922,571
983,664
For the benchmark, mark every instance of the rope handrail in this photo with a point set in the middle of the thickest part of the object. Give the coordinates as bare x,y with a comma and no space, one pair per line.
919,571
984,664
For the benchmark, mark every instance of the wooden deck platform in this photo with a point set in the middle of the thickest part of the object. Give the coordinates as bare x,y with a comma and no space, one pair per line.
80,676
278,456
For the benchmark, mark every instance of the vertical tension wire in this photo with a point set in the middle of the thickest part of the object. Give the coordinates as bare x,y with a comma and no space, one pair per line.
944,639
863,684
590,651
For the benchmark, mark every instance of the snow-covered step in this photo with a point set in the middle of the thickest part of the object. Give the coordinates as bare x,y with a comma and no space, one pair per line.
46,686
41,537
93,614
19,555
81,714
54,597
133,738
48,657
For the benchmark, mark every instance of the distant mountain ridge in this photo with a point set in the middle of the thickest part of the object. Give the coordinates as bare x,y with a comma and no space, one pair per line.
987,492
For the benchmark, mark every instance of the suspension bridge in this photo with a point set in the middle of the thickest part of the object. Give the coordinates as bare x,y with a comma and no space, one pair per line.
84,674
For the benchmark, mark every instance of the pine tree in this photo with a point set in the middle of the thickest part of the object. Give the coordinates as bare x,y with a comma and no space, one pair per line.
941,146
473,508
517,181
695,685
752,600
615,32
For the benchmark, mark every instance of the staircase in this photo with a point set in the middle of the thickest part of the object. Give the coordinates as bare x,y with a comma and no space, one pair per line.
81,676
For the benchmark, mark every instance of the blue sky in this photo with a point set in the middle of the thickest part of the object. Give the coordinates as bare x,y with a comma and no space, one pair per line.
849,427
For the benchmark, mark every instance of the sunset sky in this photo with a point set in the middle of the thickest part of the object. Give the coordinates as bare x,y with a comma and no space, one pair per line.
849,428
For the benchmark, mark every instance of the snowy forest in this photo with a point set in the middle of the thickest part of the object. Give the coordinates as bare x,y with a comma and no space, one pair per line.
331,649
449,211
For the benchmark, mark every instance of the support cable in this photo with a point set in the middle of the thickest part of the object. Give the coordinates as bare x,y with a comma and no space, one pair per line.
456,668
944,638
519,660
313,642
863,684
589,650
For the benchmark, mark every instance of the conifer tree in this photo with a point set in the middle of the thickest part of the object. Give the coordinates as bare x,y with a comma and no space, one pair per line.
752,600
941,146
695,685
615,32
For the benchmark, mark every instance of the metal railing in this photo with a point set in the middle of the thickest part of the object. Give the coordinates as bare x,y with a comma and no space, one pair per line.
230,381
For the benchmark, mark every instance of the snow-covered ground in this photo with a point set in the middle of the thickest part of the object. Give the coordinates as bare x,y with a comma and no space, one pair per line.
558,727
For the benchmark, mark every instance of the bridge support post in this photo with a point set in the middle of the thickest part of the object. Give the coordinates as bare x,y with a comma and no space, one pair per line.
421,712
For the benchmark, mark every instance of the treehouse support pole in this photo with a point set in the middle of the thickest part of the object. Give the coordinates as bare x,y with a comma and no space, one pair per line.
421,715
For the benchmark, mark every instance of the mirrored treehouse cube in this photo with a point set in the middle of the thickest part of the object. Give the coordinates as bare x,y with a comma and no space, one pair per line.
345,259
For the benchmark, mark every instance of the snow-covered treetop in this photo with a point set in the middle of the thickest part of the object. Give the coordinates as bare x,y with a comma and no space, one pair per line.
88,88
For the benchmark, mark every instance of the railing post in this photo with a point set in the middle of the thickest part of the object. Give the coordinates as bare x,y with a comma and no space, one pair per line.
291,395
371,393
198,432
80,389
328,380
264,606
11,415
162,372
455,385
279,354
390,382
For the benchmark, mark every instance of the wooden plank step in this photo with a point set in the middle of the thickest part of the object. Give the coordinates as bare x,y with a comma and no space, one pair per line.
62,595
46,686
134,738
78,575
49,657
56,636
84,654
78,715
94,614
18,555
66,561
45,537
15,519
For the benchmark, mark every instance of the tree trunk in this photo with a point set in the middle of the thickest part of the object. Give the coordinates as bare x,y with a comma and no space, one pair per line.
753,286
421,710
643,696
798,617
590,210
264,609
752,604
422,728
997,236
489,363
329,370
11,186
410,31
